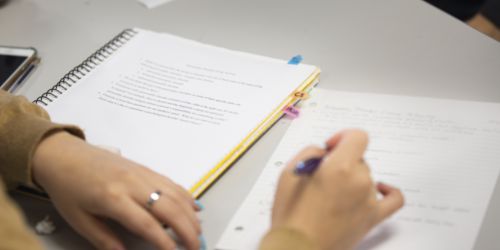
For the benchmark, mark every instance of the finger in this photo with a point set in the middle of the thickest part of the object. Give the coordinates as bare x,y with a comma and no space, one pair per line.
185,194
175,197
349,149
307,153
94,230
171,209
169,188
333,141
178,194
288,176
188,196
177,217
288,183
193,203
142,190
136,219
393,200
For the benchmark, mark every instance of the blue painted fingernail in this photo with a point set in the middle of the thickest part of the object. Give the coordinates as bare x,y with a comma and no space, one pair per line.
203,243
198,203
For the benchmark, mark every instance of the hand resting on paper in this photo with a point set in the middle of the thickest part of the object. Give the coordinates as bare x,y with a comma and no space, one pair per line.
334,208
88,185
337,205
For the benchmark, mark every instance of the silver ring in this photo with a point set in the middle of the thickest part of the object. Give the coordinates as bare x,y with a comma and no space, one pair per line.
153,197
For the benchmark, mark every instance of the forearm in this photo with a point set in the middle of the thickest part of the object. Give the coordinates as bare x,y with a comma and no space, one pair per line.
487,20
491,11
483,25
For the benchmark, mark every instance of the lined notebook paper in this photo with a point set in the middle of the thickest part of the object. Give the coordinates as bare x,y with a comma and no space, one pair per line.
181,107
443,154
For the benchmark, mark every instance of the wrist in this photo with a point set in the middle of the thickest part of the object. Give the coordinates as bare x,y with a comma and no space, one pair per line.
317,232
52,153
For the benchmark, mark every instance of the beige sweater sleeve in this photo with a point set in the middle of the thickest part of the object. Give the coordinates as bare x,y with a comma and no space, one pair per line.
22,126
13,232
286,239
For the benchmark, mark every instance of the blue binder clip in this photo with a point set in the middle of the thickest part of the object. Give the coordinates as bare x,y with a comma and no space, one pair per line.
296,60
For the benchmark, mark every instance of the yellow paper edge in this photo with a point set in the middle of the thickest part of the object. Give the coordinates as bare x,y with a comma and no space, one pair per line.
208,179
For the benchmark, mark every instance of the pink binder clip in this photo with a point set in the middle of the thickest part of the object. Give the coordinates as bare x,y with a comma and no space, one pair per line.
291,112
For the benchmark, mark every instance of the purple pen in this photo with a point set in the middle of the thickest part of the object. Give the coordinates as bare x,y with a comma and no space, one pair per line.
308,166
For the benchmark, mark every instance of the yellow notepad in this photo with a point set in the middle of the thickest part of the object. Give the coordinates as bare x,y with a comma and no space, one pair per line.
185,109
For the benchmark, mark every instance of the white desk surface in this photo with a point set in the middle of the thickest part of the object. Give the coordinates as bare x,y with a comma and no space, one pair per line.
387,46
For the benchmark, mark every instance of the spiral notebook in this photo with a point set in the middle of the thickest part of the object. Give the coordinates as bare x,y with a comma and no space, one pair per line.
185,109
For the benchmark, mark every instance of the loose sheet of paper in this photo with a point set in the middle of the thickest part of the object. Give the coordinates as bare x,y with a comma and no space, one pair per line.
176,105
443,154
150,4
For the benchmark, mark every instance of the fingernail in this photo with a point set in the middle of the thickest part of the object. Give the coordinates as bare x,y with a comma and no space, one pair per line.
203,243
198,203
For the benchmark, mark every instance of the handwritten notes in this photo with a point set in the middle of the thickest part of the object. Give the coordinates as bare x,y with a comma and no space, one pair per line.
443,154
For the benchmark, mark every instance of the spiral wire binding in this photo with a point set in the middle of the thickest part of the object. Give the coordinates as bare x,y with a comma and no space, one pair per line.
78,72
